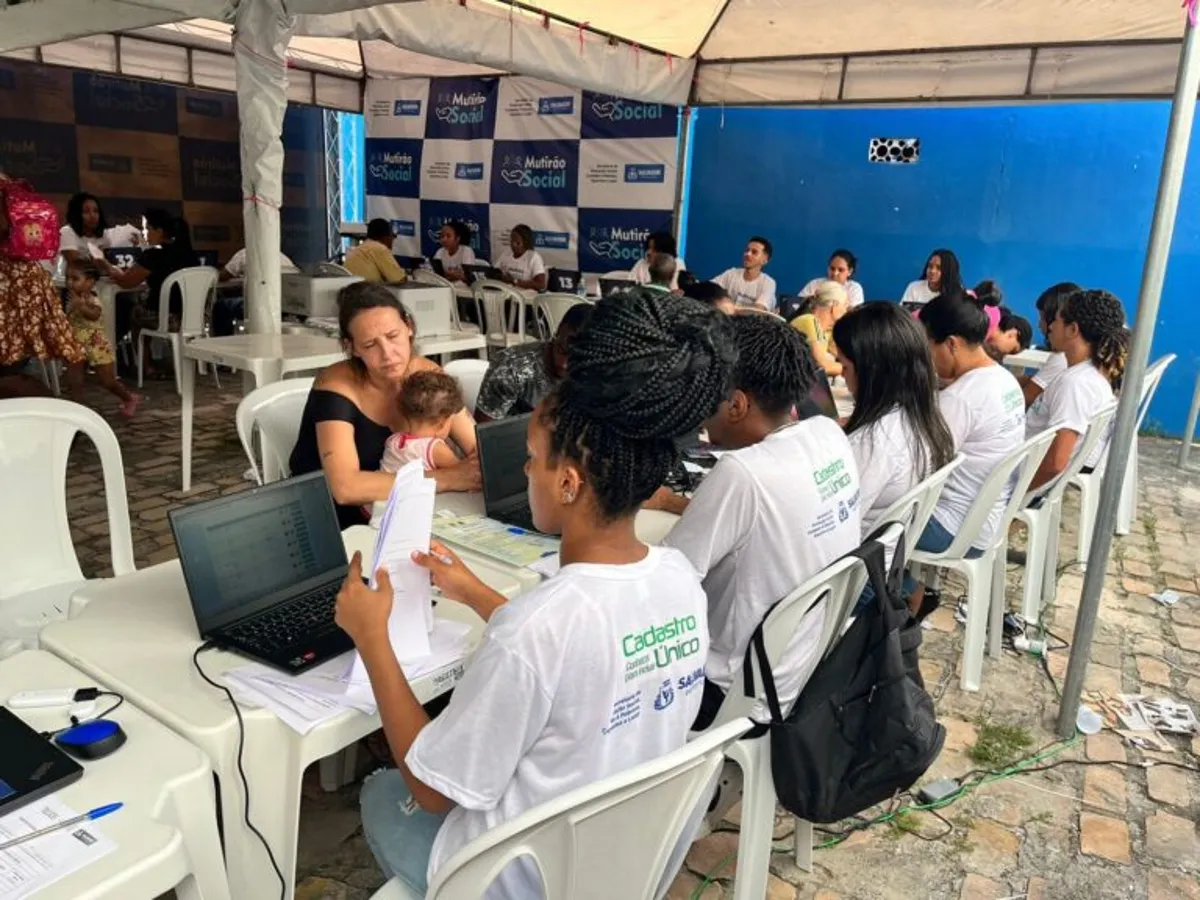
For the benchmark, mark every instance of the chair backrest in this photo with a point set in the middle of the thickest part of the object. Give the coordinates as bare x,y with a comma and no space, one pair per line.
275,410
912,511
1153,377
637,818
329,269
553,307
1017,469
494,296
469,373
838,586
428,276
35,536
1097,431
195,284
619,275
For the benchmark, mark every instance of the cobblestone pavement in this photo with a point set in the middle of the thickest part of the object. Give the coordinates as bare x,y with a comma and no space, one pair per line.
1072,833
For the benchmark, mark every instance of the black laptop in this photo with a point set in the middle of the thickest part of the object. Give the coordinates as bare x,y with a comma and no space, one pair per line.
502,454
614,285
475,272
408,263
438,266
819,401
30,766
263,568
563,281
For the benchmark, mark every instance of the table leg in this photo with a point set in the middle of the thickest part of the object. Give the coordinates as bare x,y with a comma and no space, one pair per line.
269,374
188,386
192,812
107,292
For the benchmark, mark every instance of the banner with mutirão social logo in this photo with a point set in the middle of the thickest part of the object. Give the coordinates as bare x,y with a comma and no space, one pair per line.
590,174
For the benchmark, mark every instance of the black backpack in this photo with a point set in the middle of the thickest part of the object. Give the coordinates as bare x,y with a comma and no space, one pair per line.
863,727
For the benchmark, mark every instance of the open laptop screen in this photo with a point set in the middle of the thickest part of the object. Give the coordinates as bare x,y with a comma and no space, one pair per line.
243,551
502,459
819,400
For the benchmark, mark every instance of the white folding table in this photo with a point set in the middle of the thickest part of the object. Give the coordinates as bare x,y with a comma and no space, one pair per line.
265,357
166,833
136,634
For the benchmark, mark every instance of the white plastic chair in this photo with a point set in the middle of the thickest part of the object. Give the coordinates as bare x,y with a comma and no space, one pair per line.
985,573
623,836
1042,517
275,411
330,269
39,570
838,586
552,309
1088,483
504,324
913,510
469,373
427,276
195,285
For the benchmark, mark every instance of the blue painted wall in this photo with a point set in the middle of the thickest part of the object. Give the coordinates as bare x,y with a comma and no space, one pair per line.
1028,196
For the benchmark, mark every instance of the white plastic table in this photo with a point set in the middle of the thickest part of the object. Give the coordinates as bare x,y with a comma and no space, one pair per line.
1026,359
136,634
166,834
458,342
265,357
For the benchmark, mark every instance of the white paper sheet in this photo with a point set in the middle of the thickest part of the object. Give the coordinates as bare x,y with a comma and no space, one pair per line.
27,868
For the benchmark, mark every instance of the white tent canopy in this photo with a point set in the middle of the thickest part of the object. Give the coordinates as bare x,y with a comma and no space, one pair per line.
702,51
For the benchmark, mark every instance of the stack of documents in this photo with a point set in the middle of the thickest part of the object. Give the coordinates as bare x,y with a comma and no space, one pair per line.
504,543
27,868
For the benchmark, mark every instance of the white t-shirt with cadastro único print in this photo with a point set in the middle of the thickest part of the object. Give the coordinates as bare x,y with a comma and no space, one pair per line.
597,670
985,410
766,519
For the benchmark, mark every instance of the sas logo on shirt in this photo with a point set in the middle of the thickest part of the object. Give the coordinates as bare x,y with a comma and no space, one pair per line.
406,108
462,108
556,106
645,173
546,171
616,244
468,171
552,240
617,110
404,228
665,696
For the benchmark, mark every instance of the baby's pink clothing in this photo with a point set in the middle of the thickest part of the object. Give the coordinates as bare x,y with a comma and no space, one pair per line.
404,448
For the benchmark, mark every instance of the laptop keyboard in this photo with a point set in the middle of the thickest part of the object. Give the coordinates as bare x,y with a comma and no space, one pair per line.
521,516
303,619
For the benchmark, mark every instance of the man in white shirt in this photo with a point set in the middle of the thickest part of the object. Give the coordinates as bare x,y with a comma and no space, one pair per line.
658,242
1090,333
749,285
230,305
777,508
236,266
1048,305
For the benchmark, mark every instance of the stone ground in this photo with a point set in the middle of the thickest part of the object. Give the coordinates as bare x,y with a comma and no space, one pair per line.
1073,833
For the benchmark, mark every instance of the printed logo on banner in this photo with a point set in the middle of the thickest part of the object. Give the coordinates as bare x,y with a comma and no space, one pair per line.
556,106
535,173
436,213
406,108
123,103
606,116
394,167
204,106
462,108
615,238
468,171
645,173
551,240
43,154
210,170
404,227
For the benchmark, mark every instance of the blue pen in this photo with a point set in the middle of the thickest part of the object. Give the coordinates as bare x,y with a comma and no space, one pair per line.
98,813
512,529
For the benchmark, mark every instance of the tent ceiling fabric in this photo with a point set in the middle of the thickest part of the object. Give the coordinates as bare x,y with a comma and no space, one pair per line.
739,51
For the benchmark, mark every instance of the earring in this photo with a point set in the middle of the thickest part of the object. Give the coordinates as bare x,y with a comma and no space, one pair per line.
568,497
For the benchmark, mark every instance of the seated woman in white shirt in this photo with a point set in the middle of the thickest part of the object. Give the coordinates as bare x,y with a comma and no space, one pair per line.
455,252
564,689
657,242
774,511
521,265
842,265
1090,332
941,276
1047,306
983,406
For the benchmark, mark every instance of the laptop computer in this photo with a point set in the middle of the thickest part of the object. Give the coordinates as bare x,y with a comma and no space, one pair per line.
475,272
501,447
819,401
438,266
30,766
263,569
408,263
563,281
123,257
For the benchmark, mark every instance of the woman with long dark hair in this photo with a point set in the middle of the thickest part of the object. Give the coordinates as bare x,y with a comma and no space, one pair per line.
941,276
897,430
84,229
170,249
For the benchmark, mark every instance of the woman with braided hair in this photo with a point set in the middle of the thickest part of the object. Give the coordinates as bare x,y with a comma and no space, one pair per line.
598,669
774,511
1090,332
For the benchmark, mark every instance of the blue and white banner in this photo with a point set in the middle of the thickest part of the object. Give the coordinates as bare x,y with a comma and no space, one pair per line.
590,174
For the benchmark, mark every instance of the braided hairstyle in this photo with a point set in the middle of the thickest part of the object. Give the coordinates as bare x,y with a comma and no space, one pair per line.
648,368
1101,320
774,364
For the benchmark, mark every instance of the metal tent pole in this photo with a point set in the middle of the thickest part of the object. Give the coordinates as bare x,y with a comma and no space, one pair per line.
1183,109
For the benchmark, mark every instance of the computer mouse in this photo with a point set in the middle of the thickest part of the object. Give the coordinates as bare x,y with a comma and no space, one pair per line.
91,740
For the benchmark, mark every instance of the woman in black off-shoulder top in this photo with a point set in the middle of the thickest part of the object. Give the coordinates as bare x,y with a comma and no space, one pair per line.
352,408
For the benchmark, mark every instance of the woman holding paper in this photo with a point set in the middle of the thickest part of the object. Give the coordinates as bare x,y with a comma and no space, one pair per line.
354,406
552,699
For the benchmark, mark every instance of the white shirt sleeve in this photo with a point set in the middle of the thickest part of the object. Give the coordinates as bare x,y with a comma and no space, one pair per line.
68,239
237,264
470,752
766,296
536,265
725,280
466,256
1069,404
913,293
809,289
1055,366
640,273
957,413
440,253
874,472
718,520
854,294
